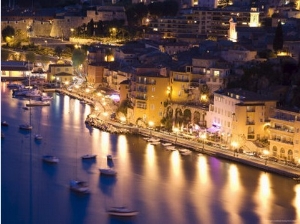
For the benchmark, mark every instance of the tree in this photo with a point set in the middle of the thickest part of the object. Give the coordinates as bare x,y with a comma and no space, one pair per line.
30,56
90,28
58,50
278,39
78,57
4,55
8,31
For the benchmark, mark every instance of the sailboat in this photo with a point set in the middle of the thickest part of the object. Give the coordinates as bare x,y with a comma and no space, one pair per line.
109,171
38,136
26,126
50,159
76,185
121,211
89,156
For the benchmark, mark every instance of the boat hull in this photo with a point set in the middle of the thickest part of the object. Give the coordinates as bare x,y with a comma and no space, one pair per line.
121,212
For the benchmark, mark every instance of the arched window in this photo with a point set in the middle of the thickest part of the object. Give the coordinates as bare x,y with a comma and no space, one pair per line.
282,153
290,155
274,150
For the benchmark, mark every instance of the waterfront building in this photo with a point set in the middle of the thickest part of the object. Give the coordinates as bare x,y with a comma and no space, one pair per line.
285,135
95,72
15,69
211,22
61,73
239,115
148,92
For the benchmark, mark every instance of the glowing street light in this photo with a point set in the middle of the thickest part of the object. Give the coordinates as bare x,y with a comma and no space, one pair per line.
234,146
151,124
203,137
266,154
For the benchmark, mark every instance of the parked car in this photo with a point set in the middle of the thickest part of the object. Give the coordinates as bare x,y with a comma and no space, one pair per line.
224,147
291,163
282,161
249,153
272,158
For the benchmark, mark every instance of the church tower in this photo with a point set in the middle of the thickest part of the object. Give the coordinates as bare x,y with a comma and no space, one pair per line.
232,34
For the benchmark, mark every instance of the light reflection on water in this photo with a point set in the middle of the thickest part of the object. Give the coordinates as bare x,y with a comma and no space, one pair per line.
164,186
233,194
263,197
296,201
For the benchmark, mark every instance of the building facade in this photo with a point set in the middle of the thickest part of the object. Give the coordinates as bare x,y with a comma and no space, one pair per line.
285,135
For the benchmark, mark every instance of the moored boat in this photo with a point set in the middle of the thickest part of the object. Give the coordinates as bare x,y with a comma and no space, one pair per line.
121,211
38,137
79,186
89,156
37,103
50,159
108,171
25,127
4,123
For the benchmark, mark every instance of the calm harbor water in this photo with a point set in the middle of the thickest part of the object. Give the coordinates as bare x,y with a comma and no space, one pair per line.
163,186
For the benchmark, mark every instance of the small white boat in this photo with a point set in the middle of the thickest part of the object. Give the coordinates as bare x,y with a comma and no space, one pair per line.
38,137
166,143
108,171
33,93
46,98
79,186
25,127
170,148
4,123
121,212
184,152
37,103
50,159
153,140
296,179
155,143
89,156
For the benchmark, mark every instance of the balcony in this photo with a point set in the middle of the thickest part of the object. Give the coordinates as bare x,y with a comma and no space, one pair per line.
141,97
141,90
146,82
250,123
282,131
281,141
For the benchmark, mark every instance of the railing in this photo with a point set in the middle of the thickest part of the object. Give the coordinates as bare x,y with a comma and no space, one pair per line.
147,82
283,129
282,141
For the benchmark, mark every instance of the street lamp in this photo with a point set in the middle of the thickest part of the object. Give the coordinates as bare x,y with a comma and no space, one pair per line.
203,137
176,130
151,123
234,146
266,153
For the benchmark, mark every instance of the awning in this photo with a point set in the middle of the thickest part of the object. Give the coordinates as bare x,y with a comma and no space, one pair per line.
212,129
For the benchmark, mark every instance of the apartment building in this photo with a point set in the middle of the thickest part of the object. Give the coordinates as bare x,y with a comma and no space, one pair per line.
285,135
240,115
61,73
211,22
148,92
